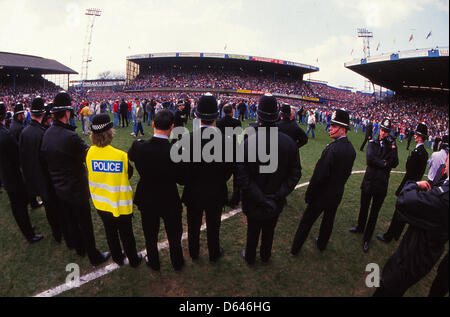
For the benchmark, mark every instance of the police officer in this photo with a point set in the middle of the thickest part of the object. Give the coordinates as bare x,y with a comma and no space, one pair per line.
205,189
368,137
425,208
326,187
35,174
157,193
11,177
290,127
109,172
64,154
229,121
264,193
381,156
180,118
416,164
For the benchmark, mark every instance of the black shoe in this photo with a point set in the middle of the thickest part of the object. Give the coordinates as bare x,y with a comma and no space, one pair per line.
103,258
36,238
218,256
121,261
381,237
366,246
135,265
355,230
152,266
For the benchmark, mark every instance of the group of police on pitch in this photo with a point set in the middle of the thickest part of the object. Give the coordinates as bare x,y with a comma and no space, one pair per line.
54,163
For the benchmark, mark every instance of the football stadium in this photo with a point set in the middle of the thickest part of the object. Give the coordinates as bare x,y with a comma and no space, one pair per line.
44,257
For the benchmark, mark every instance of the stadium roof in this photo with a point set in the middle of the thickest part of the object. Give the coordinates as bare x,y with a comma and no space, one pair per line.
270,64
421,69
33,64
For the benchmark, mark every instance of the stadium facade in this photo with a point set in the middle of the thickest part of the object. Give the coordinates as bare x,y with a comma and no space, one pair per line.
420,71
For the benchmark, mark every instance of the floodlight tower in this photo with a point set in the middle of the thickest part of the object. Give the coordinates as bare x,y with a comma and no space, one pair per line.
91,13
366,35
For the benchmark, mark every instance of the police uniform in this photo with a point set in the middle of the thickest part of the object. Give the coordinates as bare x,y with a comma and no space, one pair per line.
230,122
291,128
180,117
17,125
35,174
205,189
11,176
264,194
423,244
109,172
415,169
64,154
326,187
381,156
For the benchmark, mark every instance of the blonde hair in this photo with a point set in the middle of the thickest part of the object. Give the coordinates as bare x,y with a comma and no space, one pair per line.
102,139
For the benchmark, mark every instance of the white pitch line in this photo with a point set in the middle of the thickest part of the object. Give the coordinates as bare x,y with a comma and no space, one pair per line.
161,245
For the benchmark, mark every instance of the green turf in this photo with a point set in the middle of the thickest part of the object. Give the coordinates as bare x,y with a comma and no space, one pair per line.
27,269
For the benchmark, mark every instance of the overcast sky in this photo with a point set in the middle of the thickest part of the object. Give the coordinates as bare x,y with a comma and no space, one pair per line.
320,33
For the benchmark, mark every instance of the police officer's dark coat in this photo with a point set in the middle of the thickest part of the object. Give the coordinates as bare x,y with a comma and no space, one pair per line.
331,173
35,174
376,178
415,166
16,128
10,173
227,121
291,128
64,154
258,187
424,241
156,190
205,182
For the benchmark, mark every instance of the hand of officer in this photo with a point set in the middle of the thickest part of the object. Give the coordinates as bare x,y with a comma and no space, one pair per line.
424,185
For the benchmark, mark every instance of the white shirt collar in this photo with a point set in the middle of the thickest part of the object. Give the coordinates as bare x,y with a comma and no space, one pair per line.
418,144
161,136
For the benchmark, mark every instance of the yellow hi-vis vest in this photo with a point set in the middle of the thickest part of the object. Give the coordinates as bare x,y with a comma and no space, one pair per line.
108,180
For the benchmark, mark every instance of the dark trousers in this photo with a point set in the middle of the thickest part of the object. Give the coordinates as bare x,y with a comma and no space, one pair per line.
53,215
194,219
174,230
20,212
395,228
241,116
79,230
365,226
364,143
139,128
440,284
312,212
120,226
124,119
255,228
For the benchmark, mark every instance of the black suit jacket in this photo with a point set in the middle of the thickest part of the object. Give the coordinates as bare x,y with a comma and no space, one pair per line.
157,189
331,173
415,166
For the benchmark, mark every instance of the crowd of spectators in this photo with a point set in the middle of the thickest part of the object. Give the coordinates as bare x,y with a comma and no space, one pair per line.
405,111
